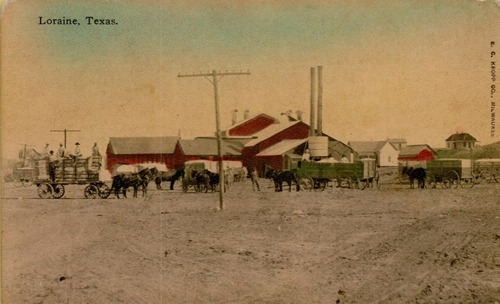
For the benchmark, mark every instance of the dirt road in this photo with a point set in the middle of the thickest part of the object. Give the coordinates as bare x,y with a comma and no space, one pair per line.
393,245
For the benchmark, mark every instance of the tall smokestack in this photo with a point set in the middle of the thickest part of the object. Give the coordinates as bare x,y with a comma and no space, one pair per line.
234,117
246,114
320,100
312,126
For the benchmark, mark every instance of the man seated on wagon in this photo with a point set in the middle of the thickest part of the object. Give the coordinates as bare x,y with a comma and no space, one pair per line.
77,153
61,152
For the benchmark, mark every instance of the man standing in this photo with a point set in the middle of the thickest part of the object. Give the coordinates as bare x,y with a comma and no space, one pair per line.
255,182
52,166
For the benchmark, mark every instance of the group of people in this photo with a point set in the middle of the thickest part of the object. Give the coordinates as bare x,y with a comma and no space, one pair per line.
55,158
61,152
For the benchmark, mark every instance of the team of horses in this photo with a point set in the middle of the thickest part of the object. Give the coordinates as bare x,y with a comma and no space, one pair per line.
204,181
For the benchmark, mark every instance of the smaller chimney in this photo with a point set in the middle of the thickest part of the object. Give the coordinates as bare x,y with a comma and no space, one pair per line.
299,114
246,114
234,116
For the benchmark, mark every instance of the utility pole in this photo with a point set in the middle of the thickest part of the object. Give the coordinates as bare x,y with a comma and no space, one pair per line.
216,76
65,131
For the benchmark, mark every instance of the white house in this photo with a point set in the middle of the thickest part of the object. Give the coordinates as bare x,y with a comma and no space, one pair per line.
383,151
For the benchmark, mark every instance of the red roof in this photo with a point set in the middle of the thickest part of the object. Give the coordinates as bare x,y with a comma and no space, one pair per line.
251,125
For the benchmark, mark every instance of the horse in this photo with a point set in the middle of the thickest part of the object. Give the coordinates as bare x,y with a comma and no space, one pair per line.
143,178
279,177
124,181
203,180
168,176
418,174
215,180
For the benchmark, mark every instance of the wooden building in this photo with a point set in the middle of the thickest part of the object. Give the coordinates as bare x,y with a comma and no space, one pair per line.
461,141
137,150
417,153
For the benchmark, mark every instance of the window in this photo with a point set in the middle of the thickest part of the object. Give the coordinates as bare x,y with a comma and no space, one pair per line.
388,159
465,145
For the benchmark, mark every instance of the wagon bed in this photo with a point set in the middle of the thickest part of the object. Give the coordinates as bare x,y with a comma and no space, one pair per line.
316,175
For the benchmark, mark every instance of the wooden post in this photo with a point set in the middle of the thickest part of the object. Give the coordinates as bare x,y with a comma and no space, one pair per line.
219,141
65,131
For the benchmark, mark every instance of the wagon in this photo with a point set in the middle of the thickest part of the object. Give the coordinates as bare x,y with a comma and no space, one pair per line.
189,181
69,171
487,170
317,175
450,173
23,176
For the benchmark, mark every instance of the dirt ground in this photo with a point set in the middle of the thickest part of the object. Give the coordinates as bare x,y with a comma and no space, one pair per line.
392,245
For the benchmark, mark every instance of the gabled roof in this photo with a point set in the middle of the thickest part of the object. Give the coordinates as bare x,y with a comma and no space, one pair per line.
282,147
142,145
270,131
208,146
397,140
363,147
460,137
239,123
414,150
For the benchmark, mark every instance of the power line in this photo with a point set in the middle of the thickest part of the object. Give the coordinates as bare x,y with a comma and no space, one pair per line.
65,131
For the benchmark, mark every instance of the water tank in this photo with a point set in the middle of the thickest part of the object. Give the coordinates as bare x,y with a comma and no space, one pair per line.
318,146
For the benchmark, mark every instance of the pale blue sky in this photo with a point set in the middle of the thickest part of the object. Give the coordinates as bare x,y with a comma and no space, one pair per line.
413,69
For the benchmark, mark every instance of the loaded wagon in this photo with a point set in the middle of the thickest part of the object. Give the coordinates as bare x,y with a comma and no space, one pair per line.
317,175
487,170
450,173
52,177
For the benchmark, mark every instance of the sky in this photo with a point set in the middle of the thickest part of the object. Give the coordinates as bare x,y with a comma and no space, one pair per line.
419,69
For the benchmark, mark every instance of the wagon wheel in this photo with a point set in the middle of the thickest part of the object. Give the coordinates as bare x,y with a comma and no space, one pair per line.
451,180
18,183
320,185
363,183
306,183
467,182
430,181
91,191
355,182
345,182
45,190
103,190
27,182
58,191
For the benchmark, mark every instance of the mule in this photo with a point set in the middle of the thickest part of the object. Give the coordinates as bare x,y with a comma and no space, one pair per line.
279,177
418,174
